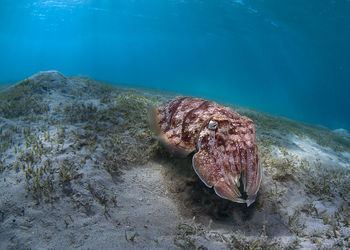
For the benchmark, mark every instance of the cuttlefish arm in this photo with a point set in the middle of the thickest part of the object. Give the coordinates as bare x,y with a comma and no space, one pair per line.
211,175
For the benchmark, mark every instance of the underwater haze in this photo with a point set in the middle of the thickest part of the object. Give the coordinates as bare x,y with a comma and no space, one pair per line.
289,57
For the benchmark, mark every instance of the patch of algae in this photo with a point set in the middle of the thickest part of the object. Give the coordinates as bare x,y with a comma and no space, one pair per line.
135,138
23,99
189,236
321,135
96,122
120,128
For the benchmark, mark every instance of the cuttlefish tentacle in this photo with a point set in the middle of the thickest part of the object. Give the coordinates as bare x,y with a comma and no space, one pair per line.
225,141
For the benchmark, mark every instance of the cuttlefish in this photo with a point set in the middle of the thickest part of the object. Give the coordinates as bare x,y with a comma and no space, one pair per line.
226,155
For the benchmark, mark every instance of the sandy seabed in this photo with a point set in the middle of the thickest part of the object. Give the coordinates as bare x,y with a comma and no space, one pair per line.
80,168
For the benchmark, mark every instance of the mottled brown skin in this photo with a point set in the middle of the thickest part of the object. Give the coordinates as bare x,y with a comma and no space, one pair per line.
225,141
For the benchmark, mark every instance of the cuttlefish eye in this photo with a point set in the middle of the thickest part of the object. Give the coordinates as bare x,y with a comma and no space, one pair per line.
213,125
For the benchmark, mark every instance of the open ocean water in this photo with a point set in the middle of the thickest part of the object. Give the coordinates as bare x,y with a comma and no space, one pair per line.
289,57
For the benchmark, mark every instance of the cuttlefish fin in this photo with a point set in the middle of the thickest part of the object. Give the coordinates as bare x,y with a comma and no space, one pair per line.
253,190
153,119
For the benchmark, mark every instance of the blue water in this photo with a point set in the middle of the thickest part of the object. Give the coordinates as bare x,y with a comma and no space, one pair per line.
289,57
